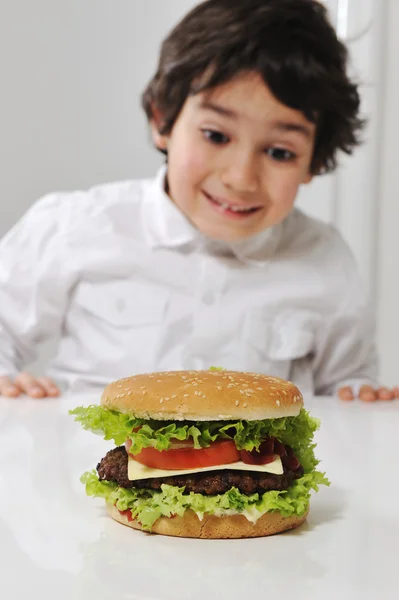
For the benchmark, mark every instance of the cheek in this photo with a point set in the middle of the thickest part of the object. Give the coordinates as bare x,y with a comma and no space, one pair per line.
284,190
187,162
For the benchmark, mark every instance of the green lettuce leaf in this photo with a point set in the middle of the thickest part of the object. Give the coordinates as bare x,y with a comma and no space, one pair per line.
296,432
148,505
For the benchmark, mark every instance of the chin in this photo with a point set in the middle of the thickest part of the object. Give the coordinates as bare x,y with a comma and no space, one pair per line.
228,234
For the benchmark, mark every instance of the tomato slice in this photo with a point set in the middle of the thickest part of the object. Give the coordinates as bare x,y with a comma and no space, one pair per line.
218,453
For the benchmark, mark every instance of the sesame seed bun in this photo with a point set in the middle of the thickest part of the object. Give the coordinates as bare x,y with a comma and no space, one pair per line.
203,396
212,527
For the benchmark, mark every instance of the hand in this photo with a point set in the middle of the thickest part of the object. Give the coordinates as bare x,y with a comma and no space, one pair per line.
24,383
369,394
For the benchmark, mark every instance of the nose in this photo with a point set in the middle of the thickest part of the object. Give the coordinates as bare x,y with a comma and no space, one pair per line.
242,174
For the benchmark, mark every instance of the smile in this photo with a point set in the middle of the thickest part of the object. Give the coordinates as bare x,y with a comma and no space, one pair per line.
233,210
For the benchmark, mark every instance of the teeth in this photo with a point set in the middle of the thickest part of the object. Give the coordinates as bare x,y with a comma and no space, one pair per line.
238,209
233,208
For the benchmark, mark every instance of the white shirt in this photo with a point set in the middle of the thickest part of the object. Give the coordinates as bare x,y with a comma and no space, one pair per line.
127,285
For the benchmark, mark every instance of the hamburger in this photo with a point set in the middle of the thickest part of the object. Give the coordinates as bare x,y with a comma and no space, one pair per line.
204,454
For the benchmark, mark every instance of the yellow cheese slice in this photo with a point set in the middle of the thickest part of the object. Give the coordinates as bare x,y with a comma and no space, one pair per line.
139,471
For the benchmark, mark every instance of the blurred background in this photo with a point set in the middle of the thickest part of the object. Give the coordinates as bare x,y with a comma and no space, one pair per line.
72,73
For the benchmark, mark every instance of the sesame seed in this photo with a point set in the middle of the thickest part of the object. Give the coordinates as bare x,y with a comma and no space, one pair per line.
219,387
203,395
285,393
245,384
143,387
260,389
237,403
186,395
159,380
278,402
173,396
195,383
248,394
161,401
245,405
167,398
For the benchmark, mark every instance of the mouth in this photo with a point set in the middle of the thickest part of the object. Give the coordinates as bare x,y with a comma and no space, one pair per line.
237,211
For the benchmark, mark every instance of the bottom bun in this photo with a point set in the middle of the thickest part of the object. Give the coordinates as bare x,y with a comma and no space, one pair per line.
212,527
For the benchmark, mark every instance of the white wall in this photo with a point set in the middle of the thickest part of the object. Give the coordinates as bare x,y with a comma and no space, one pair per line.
349,197
71,77
388,256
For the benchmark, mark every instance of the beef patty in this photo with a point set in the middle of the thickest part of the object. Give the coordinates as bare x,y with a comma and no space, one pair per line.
113,467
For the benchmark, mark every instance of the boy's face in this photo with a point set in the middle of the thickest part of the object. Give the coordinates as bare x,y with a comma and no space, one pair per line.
236,158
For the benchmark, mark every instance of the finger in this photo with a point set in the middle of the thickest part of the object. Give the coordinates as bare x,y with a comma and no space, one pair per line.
49,386
8,388
30,385
385,393
367,393
346,393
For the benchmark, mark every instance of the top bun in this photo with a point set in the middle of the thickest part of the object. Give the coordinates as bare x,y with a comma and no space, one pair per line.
203,396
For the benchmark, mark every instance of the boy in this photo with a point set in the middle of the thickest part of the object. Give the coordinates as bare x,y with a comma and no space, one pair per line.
209,263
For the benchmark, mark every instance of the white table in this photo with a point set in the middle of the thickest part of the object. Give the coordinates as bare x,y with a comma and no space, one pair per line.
56,543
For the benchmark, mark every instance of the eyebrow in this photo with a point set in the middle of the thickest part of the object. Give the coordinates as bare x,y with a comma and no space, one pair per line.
281,126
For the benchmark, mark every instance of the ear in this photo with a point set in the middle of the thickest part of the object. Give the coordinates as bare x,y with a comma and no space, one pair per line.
160,140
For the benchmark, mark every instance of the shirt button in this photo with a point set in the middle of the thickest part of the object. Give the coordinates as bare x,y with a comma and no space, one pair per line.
209,298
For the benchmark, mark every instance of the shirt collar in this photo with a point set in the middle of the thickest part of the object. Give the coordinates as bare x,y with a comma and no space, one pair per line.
166,226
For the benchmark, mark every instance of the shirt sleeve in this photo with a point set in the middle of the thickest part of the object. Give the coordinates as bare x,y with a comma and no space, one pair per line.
34,284
346,350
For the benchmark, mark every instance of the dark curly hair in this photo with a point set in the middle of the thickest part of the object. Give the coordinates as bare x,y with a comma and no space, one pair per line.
290,43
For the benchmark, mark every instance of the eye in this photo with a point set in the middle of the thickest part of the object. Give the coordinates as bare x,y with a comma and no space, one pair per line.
280,154
215,137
